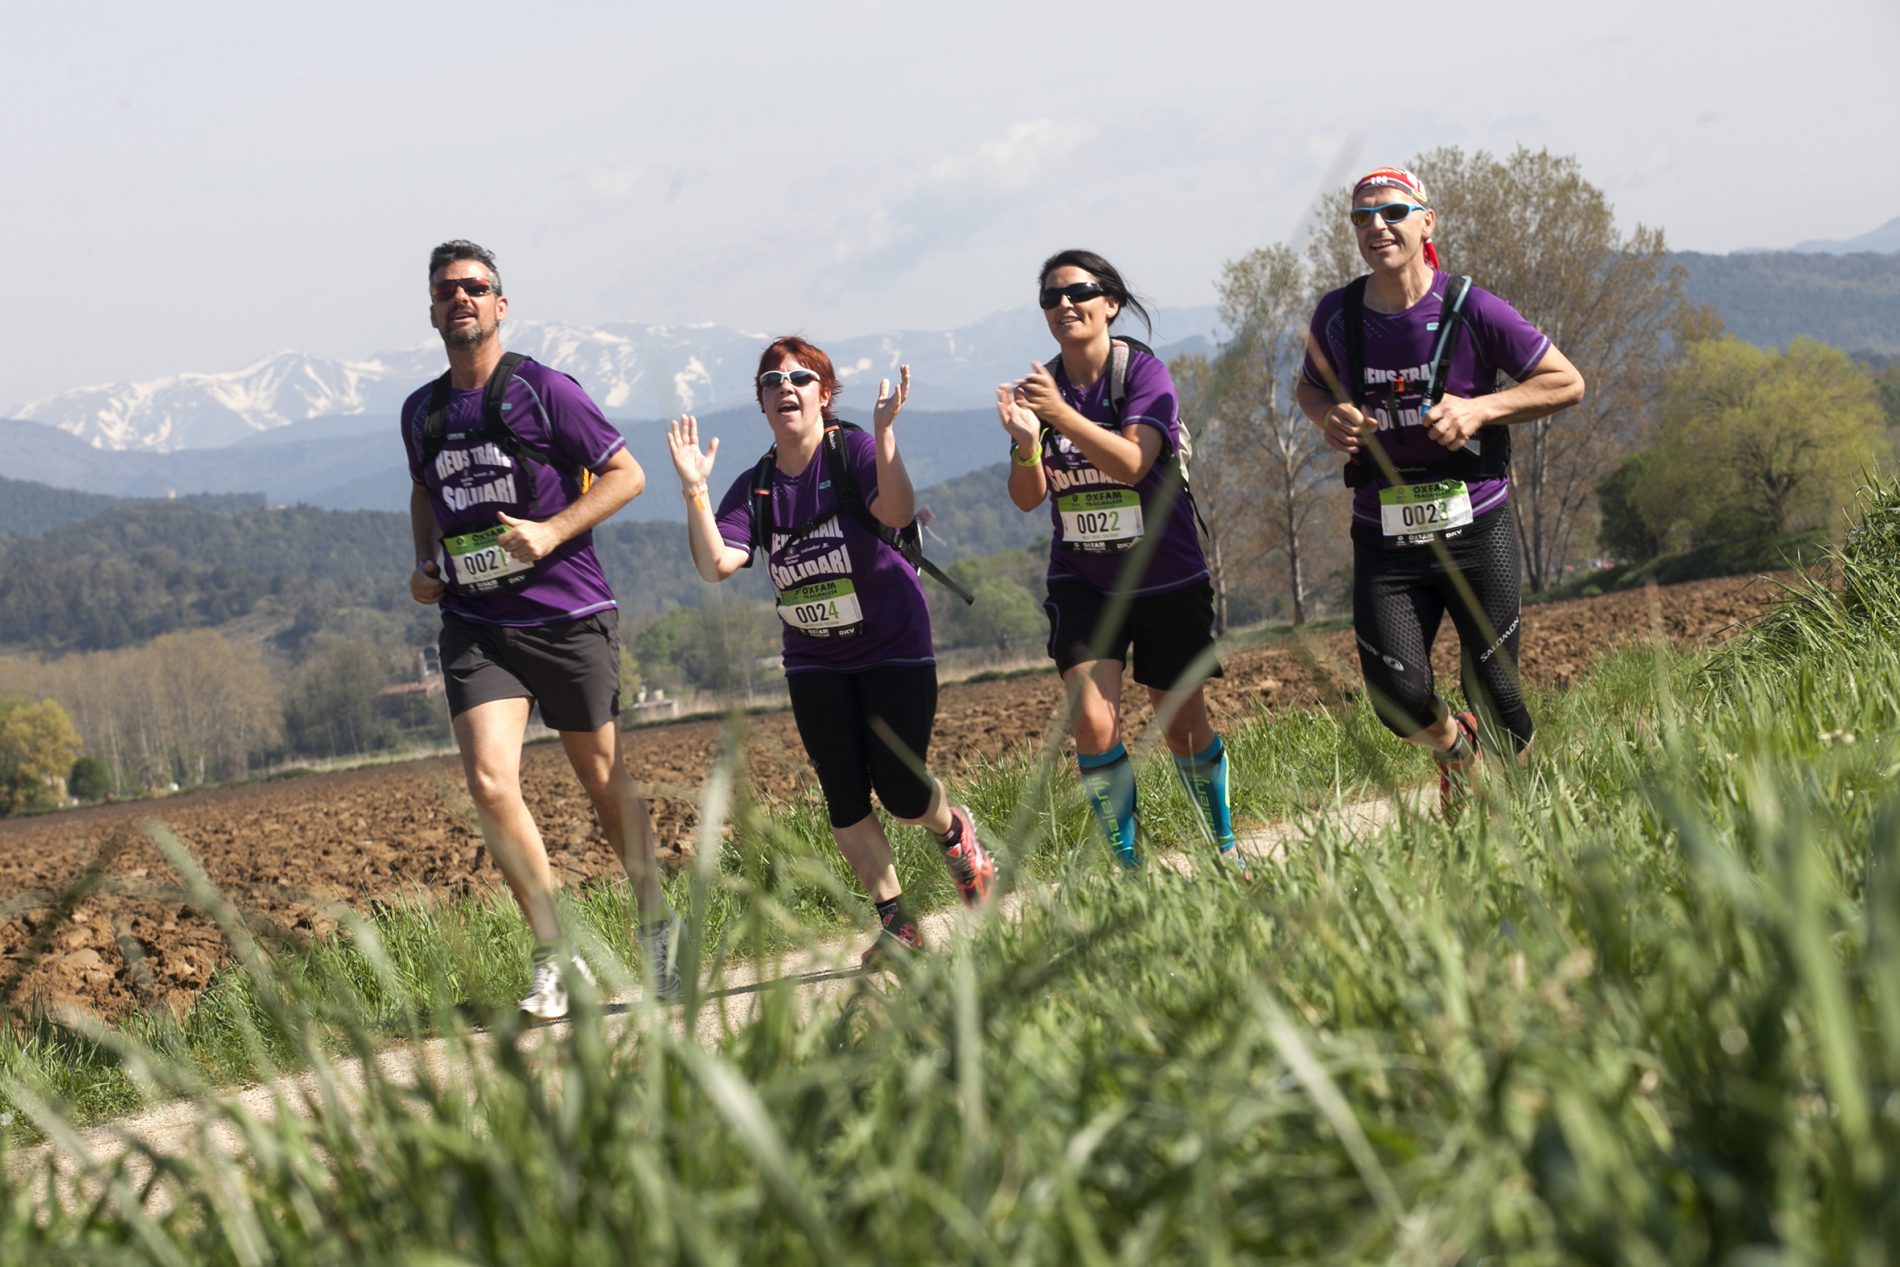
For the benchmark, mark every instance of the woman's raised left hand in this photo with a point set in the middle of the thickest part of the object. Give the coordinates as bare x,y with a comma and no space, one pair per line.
890,404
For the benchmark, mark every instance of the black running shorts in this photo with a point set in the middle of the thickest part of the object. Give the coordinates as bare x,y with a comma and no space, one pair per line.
571,669
1169,632
841,717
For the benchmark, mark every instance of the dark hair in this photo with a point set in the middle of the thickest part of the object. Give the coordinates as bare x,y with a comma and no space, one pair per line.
1105,273
810,355
463,249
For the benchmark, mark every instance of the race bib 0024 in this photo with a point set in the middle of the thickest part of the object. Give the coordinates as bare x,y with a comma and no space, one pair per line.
1100,520
1420,510
823,609
477,564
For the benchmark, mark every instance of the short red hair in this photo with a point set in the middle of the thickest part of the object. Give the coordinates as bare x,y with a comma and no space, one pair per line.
807,354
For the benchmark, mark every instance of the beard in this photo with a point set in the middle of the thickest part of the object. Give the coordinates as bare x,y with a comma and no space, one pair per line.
468,336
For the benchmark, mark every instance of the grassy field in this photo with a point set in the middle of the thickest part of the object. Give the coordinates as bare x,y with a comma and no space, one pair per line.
1642,1007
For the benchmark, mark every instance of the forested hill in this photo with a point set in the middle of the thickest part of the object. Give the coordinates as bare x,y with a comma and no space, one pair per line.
134,570
1851,302
27,507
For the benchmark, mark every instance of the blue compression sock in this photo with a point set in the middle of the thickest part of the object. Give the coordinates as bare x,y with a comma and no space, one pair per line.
1109,779
1204,776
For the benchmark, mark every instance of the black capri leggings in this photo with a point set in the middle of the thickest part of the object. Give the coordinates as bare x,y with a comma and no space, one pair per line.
1400,596
834,712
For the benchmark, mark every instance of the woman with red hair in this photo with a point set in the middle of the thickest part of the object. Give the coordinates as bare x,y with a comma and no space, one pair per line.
858,659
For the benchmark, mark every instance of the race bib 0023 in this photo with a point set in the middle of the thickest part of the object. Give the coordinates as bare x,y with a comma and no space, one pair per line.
1420,510
823,609
1100,520
477,564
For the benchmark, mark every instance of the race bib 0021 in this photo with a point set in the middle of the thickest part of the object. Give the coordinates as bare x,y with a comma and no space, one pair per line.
1100,520
477,564
823,609
1420,510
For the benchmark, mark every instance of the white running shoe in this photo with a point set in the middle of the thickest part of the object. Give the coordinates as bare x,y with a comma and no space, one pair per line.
660,947
546,999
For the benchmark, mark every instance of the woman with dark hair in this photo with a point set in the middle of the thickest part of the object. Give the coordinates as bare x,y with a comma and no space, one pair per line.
858,659
1097,432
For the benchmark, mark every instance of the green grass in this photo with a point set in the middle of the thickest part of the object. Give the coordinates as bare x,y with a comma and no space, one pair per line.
1642,1007
1728,558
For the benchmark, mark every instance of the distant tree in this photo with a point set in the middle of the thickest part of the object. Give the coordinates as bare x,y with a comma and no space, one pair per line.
1194,386
38,746
1887,384
90,780
1281,474
1531,229
1754,441
1623,530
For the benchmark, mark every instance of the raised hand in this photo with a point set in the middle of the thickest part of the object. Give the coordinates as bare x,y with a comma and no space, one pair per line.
1023,427
692,466
885,412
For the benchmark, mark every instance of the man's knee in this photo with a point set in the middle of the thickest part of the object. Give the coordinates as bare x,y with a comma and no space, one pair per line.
492,788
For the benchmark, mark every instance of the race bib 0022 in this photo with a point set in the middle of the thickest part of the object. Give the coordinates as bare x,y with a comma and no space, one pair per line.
823,609
477,564
1420,510
1100,520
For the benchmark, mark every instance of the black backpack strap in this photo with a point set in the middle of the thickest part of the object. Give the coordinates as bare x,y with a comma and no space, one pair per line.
1451,322
758,504
435,420
908,541
494,416
1353,314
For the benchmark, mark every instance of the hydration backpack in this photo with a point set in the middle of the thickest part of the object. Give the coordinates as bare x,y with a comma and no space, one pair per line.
495,429
908,541
1486,455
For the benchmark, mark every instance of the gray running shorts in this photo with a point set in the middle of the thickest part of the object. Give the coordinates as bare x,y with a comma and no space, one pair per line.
571,669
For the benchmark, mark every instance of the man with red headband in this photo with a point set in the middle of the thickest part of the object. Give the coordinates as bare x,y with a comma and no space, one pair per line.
1402,374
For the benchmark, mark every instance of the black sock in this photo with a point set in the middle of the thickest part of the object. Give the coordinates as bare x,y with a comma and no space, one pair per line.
1460,746
954,837
891,913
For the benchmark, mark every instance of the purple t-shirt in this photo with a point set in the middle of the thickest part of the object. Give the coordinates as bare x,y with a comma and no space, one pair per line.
471,480
1399,345
847,600
1099,523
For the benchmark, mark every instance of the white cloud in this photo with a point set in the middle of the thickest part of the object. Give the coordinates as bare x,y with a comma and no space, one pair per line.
1018,158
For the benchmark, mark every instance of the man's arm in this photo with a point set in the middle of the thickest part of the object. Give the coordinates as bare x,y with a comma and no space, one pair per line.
425,583
1554,384
615,484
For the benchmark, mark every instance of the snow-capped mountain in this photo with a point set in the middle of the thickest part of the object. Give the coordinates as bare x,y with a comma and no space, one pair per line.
634,371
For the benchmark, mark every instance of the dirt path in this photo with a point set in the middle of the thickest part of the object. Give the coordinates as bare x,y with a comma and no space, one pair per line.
822,974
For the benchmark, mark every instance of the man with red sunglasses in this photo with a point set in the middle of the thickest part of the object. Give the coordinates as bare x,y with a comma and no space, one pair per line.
1402,374
514,466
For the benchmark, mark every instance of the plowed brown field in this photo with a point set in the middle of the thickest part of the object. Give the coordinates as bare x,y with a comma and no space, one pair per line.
293,852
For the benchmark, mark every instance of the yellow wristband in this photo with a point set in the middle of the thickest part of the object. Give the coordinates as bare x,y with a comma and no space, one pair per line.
695,497
1016,456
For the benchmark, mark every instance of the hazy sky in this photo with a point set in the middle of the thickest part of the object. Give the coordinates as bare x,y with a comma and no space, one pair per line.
190,186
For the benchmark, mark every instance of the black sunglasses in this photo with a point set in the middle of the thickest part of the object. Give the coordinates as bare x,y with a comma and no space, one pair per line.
473,287
1074,292
799,378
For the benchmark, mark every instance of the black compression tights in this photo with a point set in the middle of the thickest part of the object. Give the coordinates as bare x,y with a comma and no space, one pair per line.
835,713
1399,598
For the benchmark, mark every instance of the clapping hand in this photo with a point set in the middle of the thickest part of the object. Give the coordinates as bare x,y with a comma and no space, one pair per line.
888,406
1024,428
